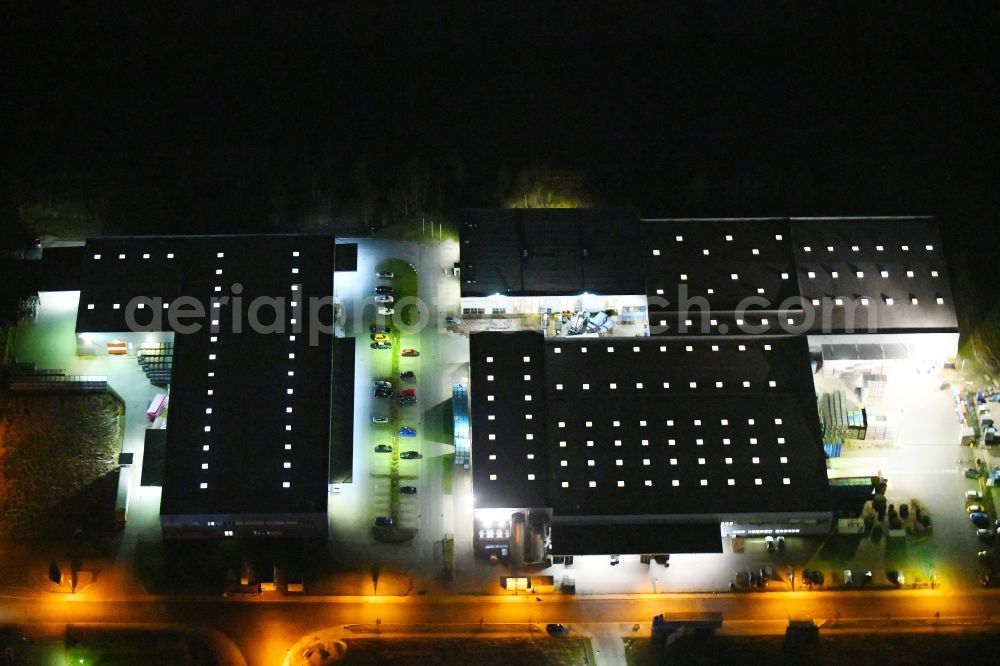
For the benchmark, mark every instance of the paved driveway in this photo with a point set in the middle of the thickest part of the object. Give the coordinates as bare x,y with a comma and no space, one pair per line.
443,359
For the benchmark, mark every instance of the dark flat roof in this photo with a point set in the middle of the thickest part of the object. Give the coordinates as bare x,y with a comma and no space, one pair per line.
549,252
250,411
647,426
831,275
346,257
60,269
153,452
719,262
255,444
612,539
827,275
501,426
342,439
889,275
684,460
116,270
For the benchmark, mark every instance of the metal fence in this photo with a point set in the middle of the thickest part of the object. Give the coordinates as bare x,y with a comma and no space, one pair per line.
61,382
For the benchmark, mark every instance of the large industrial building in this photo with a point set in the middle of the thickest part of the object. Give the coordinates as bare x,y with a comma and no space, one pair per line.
549,252
256,425
653,441
843,282
701,422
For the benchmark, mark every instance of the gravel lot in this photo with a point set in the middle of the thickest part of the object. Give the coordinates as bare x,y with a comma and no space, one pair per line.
58,454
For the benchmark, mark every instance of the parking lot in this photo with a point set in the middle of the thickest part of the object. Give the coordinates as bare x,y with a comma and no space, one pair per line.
443,355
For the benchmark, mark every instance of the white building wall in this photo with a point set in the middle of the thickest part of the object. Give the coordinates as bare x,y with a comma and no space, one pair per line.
217,526
925,351
540,304
96,344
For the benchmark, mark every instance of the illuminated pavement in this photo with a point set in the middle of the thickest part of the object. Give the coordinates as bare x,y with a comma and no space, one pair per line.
50,342
927,465
442,360
264,631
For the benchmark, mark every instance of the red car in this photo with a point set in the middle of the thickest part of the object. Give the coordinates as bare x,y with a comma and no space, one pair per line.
410,352
412,392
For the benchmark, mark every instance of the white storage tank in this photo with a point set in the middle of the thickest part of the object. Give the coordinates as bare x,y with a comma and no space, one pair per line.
534,553
535,537
517,539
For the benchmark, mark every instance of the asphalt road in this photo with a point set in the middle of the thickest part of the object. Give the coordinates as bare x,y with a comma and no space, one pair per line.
265,630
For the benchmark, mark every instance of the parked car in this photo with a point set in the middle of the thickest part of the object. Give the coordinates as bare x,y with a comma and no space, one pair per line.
380,419
971,473
408,490
991,579
975,508
407,431
407,400
381,345
813,576
408,391
380,337
985,534
384,521
383,289
384,383
410,352
383,298
380,329
383,392
979,519
410,455
452,321
408,376
385,275
382,310
383,448
985,555
972,496
557,630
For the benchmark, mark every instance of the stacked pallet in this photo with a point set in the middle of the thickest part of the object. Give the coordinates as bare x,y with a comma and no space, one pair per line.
839,421
157,361
882,428
875,385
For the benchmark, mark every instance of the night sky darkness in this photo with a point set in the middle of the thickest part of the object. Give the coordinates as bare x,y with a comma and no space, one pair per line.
218,117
